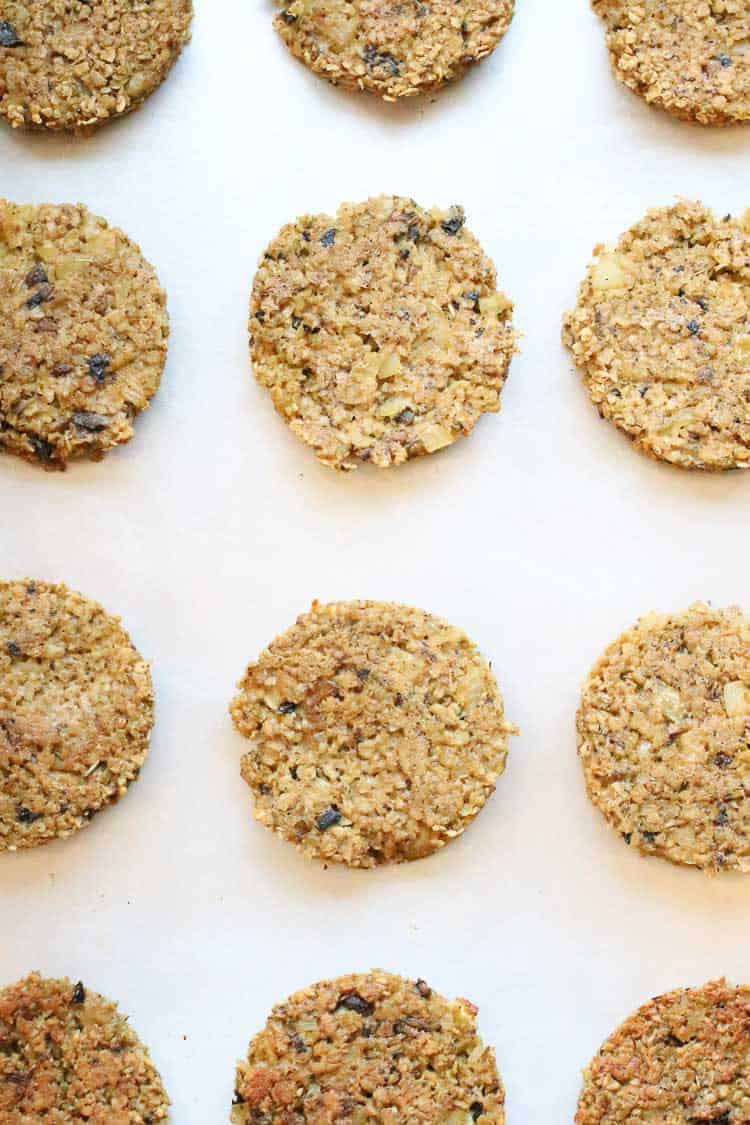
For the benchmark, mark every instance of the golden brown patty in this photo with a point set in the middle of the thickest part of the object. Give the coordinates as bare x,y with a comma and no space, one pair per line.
370,1047
70,64
664,737
377,733
67,1055
393,48
380,332
83,333
681,1059
690,57
76,710
661,334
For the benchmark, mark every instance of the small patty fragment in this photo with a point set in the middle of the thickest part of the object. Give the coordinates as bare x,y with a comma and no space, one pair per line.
396,739
681,1059
369,1047
393,49
67,1055
83,333
76,711
74,64
380,333
663,731
661,334
689,57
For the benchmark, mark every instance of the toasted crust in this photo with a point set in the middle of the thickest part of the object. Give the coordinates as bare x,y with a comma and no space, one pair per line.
83,333
76,711
380,333
71,64
377,733
681,1059
663,737
393,49
661,333
369,1047
688,57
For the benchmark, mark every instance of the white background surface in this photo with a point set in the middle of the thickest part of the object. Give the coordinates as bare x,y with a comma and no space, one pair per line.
543,535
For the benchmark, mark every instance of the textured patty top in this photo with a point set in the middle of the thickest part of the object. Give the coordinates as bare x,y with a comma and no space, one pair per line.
68,1056
380,332
690,57
83,333
76,710
369,1047
70,64
661,333
393,47
664,737
377,733
681,1059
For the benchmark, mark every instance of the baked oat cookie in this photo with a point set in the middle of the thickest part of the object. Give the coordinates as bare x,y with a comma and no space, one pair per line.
369,1047
689,57
393,49
681,1059
76,711
377,733
83,333
74,64
664,737
661,333
380,333
67,1055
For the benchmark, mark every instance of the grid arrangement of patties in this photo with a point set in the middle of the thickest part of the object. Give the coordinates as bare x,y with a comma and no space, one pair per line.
83,333
377,733
76,711
73,64
391,48
380,331
369,1047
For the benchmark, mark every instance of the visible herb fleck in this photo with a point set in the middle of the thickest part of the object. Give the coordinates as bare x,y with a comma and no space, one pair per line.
26,816
703,303
725,60
37,275
649,837
98,365
353,1002
87,420
260,316
329,237
375,58
296,321
722,818
287,707
306,235
298,1043
13,649
8,35
456,219
363,674
406,417
79,993
43,293
627,837
42,448
723,760
693,327
328,818
476,1109
288,17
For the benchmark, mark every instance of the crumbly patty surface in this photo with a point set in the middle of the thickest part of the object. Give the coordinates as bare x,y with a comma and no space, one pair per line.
76,710
377,733
72,64
661,334
67,1055
83,333
681,1059
393,49
690,57
369,1047
380,332
664,737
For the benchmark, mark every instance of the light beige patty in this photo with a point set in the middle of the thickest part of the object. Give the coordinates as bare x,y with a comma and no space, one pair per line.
67,1056
393,48
377,733
76,710
664,737
71,64
380,332
83,333
661,333
690,57
370,1047
681,1059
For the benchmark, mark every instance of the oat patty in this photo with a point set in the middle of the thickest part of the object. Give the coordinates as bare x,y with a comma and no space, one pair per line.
380,332
377,733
